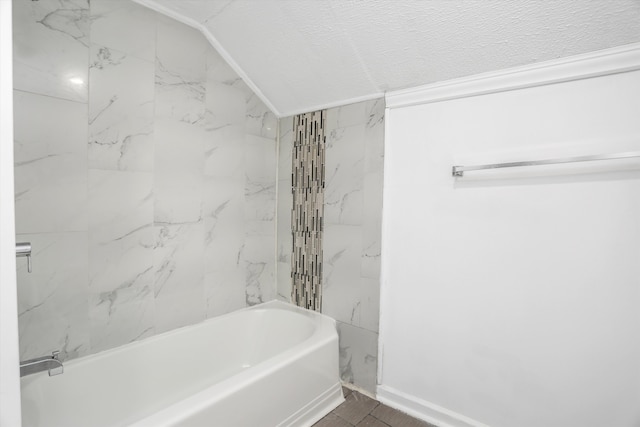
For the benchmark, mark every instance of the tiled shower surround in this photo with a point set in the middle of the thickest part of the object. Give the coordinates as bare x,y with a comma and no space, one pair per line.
354,156
146,180
145,177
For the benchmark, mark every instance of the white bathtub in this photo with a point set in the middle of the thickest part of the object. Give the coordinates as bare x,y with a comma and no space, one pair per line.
269,365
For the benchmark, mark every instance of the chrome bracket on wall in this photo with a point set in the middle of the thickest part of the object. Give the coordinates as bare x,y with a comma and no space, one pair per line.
23,249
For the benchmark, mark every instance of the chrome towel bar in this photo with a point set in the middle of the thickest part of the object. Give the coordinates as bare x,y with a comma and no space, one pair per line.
458,171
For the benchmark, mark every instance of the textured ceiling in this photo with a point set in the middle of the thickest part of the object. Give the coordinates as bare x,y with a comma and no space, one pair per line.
308,54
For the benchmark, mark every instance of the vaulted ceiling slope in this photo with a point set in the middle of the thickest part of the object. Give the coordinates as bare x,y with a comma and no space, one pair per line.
304,55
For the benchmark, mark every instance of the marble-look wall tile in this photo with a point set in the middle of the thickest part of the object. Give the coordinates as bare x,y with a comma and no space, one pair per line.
374,136
284,240
373,186
121,242
225,290
341,275
121,238
372,225
52,304
178,174
121,111
285,148
225,120
341,259
178,198
258,260
358,356
367,312
344,171
219,71
225,132
179,147
353,222
121,245
260,157
260,201
50,159
124,26
349,115
121,316
224,224
166,170
51,47
284,205
179,276
260,173
224,152
260,121
180,72
226,106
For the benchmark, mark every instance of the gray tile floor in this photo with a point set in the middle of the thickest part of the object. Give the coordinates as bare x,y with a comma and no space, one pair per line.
361,411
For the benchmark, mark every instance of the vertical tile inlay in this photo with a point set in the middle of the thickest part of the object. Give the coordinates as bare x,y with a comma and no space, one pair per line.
307,182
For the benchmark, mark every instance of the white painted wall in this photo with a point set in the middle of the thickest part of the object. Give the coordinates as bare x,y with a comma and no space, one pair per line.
512,298
9,363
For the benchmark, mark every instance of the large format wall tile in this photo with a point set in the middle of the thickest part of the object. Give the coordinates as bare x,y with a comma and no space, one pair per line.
225,290
121,316
344,175
178,175
260,120
165,171
226,110
179,276
285,149
374,137
284,205
52,308
50,164
342,248
125,26
121,238
260,173
358,356
180,72
372,225
224,224
51,47
284,248
226,105
224,151
258,254
121,243
178,198
258,260
121,111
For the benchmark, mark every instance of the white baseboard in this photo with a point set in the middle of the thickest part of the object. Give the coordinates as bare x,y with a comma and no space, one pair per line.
423,410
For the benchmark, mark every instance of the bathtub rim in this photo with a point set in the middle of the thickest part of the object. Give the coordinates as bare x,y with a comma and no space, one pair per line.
281,305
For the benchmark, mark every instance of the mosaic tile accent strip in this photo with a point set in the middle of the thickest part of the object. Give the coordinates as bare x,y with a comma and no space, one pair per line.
307,185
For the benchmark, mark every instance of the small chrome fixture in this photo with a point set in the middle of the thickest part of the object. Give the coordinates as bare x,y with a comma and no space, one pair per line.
23,249
44,363
458,171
